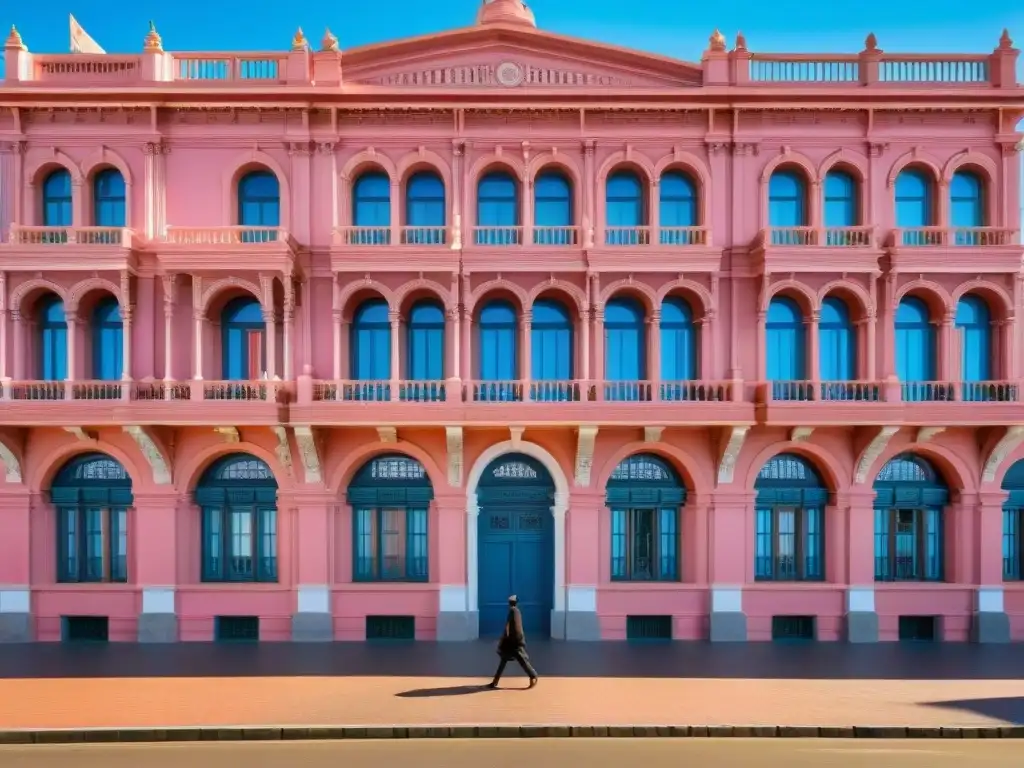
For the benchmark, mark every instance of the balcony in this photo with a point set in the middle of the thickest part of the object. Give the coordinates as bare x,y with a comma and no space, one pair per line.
96,403
816,249
187,249
965,250
485,403
858,403
421,249
663,249
69,249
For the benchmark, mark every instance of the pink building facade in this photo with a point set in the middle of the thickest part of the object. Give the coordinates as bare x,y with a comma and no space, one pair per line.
344,344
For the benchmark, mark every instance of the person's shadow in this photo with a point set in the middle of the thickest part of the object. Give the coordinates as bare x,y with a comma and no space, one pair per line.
453,690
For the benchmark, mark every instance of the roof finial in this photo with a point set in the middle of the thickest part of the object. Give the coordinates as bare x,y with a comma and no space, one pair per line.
299,41
741,42
871,42
717,41
1005,41
14,40
330,41
153,42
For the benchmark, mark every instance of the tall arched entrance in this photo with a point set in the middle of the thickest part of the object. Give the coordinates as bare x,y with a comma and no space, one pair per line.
516,544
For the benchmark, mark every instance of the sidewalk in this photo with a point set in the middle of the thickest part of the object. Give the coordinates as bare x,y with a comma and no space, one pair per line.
289,685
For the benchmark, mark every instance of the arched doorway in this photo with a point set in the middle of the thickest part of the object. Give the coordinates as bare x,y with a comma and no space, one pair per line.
515,544
789,537
909,500
237,495
390,497
91,495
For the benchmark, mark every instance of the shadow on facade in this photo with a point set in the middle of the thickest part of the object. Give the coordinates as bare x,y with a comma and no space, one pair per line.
823,661
1009,709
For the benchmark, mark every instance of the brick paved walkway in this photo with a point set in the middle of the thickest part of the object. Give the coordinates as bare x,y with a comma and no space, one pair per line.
197,685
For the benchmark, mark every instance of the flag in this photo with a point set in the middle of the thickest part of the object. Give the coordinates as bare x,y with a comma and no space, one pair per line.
81,42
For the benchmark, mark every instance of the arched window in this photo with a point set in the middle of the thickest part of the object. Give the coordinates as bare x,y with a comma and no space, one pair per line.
625,347
1013,523
109,199
915,350
259,206
967,206
53,339
841,204
625,209
790,505
390,496
370,350
551,350
499,352
784,343
237,495
371,209
787,206
915,205
425,350
107,340
497,210
909,498
425,209
837,340
91,495
57,205
974,324
552,209
677,208
678,347
243,344
645,496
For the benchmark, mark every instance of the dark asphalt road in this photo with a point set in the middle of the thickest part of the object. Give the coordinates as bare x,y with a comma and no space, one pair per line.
537,753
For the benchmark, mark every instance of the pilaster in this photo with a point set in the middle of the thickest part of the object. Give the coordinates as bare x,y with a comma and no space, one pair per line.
312,620
16,624
154,533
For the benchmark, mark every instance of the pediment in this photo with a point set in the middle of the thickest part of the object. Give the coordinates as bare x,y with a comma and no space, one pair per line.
477,58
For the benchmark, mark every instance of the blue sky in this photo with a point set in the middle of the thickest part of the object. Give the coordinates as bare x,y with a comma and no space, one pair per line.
661,26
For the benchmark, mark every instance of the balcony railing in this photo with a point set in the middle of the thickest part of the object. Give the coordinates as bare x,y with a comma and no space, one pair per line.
136,391
798,237
905,391
931,237
118,237
213,236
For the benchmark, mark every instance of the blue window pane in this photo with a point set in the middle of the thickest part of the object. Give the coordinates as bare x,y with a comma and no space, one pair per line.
618,544
497,200
915,206
967,200
841,202
837,341
625,348
371,200
551,346
787,199
425,342
784,331
552,195
53,340
259,200
425,205
678,341
243,346
107,341
57,206
974,324
108,195
915,347
371,342
498,342
624,200
677,200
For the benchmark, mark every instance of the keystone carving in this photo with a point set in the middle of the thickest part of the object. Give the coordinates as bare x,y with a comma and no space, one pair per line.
12,466
309,454
283,449
230,434
731,452
1007,444
154,457
653,434
586,439
872,452
387,434
81,433
453,440
926,434
800,434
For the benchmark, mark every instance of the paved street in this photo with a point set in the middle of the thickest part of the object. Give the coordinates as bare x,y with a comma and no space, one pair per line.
586,684
543,753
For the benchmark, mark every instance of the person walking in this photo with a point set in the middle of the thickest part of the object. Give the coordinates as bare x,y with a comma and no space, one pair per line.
512,645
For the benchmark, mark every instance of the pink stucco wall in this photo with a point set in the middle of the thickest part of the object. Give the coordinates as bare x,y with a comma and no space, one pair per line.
400,108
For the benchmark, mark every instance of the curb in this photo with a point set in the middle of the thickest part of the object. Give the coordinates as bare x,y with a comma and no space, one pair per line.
289,733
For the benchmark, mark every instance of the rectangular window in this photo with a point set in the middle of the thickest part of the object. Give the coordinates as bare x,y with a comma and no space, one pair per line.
789,544
908,545
1013,552
391,544
240,543
93,544
645,544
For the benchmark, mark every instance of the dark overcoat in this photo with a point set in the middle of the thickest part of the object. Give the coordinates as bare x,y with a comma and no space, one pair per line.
513,640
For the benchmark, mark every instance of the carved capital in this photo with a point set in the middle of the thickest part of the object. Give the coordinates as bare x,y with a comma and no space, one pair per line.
301,148
326,147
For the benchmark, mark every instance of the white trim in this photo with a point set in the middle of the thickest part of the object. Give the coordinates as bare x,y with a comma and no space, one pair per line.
558,513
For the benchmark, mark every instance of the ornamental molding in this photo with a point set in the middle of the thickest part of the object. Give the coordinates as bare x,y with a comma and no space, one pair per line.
730,453
150,450
454,445
387,434
927,434
309,454
586,440
800,434
230,434
1006,445
12,467
872,452
83,434
283,449
653,434
507,73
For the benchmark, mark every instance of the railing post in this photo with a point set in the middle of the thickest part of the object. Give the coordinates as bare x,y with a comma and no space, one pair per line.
1002,66
870,61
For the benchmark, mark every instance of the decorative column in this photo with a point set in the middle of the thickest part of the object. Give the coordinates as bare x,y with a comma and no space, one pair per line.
127,303
169,297
990,623
18,329
3,328
871,374
270,363
339,330
458,151
198,342
72,323
527,219
654,352
288,316
558,513
948,367
589,221
154,546
314,532
943,212
814,347
396,325
583,566
599,350
858,514
467,344
472,565
585,320
15,545
395,237
456,618
730,521
454,331
815,208
762,344
525,351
